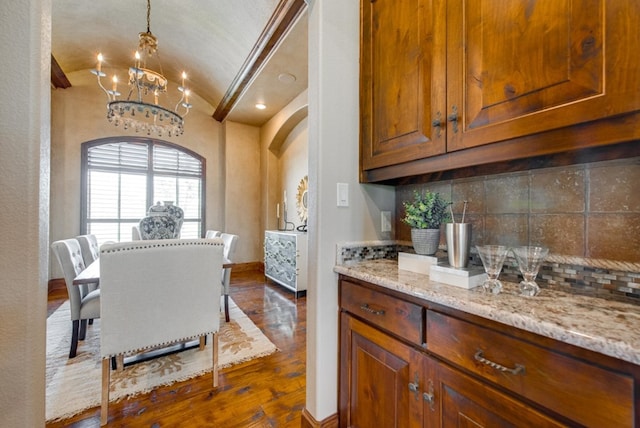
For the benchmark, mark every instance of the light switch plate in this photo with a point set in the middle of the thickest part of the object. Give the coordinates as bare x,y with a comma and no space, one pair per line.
343,194
385,221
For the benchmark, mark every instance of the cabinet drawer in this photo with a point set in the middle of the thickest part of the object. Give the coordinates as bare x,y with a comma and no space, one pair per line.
397,316
585,393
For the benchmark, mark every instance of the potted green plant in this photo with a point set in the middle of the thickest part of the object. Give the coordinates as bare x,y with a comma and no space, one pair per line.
424,215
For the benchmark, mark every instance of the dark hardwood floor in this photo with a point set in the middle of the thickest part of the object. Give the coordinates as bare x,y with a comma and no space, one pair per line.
265,392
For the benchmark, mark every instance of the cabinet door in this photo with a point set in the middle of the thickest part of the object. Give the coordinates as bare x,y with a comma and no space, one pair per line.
518,68
402,60
466,402
375,376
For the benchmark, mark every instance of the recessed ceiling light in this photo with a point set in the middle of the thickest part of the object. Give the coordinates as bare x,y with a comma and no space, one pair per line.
261,106
287,78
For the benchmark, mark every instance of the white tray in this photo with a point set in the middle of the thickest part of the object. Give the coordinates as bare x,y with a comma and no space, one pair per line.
460,277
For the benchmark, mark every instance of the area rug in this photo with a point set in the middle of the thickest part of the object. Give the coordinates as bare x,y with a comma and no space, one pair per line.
74,385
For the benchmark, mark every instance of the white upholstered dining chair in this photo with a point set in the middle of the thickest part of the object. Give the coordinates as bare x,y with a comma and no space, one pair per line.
230,242
212,234
84,305
135,233
156,293
89,247
90,252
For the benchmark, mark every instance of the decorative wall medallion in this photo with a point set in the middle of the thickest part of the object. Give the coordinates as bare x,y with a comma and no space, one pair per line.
302,198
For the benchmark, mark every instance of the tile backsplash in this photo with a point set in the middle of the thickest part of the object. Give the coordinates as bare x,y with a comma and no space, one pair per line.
588,211
587,214
620,281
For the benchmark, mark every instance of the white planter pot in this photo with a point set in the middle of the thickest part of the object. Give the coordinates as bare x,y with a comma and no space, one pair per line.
425,241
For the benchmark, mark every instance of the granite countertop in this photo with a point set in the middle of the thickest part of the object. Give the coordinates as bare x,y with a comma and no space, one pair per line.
608,327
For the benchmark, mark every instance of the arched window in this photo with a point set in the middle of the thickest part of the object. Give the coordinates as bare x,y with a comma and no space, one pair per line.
123,176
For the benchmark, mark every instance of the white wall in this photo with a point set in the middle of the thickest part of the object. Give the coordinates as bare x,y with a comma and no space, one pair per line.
25,49
333,158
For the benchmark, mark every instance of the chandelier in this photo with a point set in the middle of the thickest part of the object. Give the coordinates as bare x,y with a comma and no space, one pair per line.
141,109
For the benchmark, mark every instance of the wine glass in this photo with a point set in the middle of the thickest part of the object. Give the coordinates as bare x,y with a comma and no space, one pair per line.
492,257
529,261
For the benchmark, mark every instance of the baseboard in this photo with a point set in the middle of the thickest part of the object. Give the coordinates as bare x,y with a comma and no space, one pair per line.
244,267
308,421
56,284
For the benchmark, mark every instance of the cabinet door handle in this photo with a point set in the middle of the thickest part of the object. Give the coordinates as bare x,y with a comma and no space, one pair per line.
453,117
367,308
415,386
437,123
430,397
479,356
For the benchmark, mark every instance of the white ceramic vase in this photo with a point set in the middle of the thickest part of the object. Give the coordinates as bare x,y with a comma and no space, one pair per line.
425,241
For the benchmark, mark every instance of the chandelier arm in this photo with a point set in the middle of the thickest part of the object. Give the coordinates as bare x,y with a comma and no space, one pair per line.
103,88
179,103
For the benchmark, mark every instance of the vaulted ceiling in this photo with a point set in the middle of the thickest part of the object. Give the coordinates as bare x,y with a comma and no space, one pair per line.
236,53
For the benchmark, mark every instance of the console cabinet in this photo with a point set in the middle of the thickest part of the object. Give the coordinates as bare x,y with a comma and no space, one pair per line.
439,78
406,362
285,259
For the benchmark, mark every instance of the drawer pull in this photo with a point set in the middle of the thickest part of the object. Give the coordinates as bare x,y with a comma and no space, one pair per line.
367,308
519,369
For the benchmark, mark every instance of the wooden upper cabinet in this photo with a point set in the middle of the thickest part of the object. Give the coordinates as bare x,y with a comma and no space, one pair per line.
517,68
508,78
402,48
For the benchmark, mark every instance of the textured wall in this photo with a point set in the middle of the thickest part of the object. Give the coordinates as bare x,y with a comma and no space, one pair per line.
294,165
243,198
25,46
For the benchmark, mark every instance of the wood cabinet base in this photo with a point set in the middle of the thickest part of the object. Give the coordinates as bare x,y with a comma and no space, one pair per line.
471,371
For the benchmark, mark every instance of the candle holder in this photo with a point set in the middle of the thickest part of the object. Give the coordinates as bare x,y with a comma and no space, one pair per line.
288,226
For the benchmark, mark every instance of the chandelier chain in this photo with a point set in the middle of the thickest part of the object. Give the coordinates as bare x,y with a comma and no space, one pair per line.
148,16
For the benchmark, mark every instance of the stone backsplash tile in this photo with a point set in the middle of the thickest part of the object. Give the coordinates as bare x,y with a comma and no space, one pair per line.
562,232
614,236
613,187
506,229
568,190
470,191
507,194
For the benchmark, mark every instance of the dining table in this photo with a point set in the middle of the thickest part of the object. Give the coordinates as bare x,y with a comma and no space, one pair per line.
91,274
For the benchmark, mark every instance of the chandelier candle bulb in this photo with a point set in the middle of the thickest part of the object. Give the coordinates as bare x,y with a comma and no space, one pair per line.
99,65
277,210
115,83
284,204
